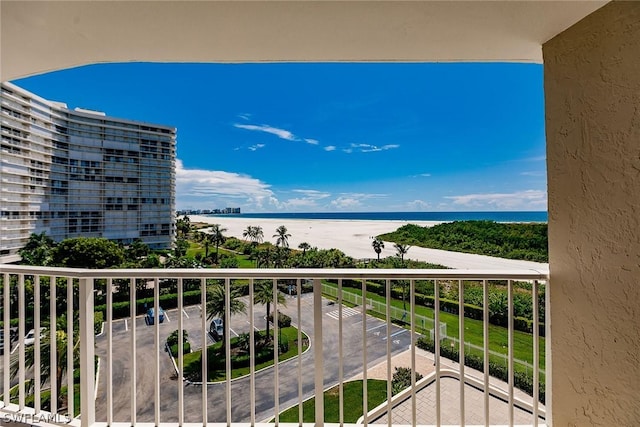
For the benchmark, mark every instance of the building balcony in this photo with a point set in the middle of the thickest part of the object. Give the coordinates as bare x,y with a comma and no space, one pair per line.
124,374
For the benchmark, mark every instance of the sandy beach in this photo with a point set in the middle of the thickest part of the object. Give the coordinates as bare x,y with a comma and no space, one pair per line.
354,237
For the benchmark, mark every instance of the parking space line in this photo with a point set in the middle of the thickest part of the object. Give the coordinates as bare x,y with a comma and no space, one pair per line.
166,316
401,331
234,332
376,327
185,313
126,325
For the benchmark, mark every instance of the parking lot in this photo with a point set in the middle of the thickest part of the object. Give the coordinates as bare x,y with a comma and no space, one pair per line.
287,394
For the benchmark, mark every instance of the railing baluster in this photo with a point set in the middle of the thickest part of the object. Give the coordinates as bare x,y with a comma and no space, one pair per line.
436,337
252,355
485,334
412,308
299,303
205,378
53,344
180,352
536,353
510,350
276,353
109,358
156,343
36,344
461,347
365,397
317,353
87,354
227,347
6,284
340,358
133,310
389,373
70,391
21,333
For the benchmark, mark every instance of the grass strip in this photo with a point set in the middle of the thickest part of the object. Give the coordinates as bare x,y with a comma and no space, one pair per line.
376,394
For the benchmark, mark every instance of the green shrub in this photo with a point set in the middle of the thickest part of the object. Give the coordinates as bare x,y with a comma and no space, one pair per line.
98,318
284,321
402,379
186,348
521,380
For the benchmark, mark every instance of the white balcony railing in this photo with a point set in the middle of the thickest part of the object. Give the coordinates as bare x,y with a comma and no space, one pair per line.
122,371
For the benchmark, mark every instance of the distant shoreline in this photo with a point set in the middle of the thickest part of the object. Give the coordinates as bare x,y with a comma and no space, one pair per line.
354,237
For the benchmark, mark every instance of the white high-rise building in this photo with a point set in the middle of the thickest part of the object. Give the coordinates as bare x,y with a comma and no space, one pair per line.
79,172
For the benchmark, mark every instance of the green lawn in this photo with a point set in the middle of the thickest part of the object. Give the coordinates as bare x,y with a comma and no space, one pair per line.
473,333
376,394
217,373
197,248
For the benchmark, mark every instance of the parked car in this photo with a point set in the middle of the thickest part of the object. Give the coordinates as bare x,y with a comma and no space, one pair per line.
30,338
1,342
215,329
151,318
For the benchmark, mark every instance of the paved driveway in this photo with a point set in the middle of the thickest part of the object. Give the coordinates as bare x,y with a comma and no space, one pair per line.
145,354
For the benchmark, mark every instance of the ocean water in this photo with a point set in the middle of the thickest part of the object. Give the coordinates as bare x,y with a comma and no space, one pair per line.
498,216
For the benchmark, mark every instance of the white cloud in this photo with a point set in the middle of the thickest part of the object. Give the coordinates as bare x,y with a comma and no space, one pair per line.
354,200
256,147
309,199
330,148
528,199
422,174
244,116
346,202
313,194
311,141
533,173
418,205
280,133
368,148
200,189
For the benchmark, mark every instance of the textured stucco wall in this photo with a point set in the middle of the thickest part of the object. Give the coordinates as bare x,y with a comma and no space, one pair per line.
592,91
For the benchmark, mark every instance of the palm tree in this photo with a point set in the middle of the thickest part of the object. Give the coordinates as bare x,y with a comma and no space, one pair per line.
38,250
216,236
216,305
401,250
378,245
183,226
253,233
264,295
207,240
248,232
304,246
45,351
263,257
283,236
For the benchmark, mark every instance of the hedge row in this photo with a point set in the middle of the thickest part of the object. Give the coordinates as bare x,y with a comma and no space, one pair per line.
450,306
522,380
284,321
167,301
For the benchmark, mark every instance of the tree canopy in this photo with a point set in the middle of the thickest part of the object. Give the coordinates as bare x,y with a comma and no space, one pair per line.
507,240
88,252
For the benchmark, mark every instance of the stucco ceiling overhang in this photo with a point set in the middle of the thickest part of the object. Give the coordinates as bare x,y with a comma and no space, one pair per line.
40,36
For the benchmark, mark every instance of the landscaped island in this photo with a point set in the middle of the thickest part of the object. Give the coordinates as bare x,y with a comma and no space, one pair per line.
506,240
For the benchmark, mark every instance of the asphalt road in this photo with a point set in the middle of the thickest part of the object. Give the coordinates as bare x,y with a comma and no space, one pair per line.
287,393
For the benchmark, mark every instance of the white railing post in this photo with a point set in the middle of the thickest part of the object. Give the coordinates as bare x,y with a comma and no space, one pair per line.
87,353
317,353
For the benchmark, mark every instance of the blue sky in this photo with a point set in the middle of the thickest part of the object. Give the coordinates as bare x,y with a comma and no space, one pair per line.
333,137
